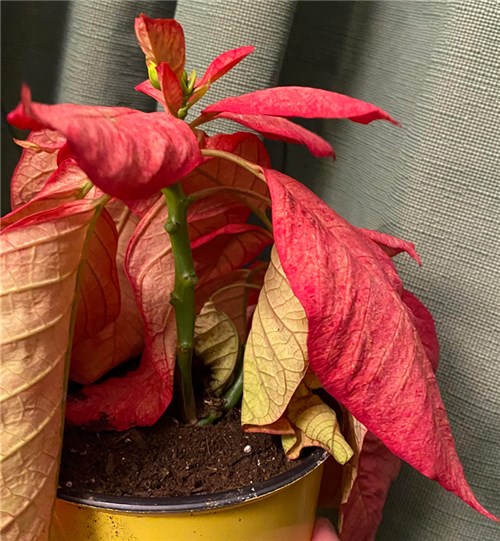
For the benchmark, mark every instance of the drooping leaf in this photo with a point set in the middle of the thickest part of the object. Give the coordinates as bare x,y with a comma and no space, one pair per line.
99,303
40,257
37,163
217,344
363,498
170,87
124,338
301,102
162,40
64,185
141,397
355,435
362,342
126,153
276,353
316,426
274,127
223,63
362,512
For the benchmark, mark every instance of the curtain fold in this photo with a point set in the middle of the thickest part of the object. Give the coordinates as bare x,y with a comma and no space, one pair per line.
435,181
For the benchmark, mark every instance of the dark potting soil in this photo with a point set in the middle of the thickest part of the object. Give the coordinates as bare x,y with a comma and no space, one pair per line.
170,459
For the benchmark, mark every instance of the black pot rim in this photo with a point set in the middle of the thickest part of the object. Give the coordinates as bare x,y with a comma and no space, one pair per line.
202,502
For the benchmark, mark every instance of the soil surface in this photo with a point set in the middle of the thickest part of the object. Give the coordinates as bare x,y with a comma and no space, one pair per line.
170,459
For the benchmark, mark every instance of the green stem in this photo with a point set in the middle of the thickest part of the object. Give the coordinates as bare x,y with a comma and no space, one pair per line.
230,399
182,298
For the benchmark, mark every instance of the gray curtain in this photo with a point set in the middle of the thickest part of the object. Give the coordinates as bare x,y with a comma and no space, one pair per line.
435,181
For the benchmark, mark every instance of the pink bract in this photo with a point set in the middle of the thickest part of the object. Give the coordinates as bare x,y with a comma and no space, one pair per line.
126,153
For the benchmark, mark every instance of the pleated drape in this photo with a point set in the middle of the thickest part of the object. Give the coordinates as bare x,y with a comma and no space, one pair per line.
435,181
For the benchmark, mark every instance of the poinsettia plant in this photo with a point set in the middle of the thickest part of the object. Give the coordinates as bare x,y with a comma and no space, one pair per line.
131,235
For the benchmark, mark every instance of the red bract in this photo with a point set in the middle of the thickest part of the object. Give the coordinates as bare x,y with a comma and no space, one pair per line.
362,342
170,88
282,129
298,101
126,153
162,40
377,467
223,63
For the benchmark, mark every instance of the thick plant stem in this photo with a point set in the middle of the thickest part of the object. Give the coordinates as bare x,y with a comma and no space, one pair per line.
182,298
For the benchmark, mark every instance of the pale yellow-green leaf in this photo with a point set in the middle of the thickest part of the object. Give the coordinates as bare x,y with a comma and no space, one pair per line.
39,264
317,425
216,342
276,352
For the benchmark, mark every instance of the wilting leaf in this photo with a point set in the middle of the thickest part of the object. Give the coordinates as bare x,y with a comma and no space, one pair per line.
124,337
362,342
300,102
162,40
363,498
40,257
355,435
280,427
217,344
142,396
38,161
223,63
362,513
128,154
99,303
276,352
316,426
274,127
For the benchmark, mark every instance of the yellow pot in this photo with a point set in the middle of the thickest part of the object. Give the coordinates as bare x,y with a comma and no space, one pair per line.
281,509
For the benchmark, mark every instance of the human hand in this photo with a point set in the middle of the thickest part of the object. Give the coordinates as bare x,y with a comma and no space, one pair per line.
324,531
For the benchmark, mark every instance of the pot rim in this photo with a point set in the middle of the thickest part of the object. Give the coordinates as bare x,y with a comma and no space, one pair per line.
201,502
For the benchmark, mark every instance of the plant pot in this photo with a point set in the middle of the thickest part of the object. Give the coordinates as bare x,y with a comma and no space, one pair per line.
280,509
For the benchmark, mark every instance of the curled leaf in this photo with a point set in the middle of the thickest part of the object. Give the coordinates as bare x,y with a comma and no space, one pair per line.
123,338
40,258
37,163
316,426
99,303
216,342
276,353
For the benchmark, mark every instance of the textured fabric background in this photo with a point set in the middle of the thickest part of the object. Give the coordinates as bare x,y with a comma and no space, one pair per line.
435,181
